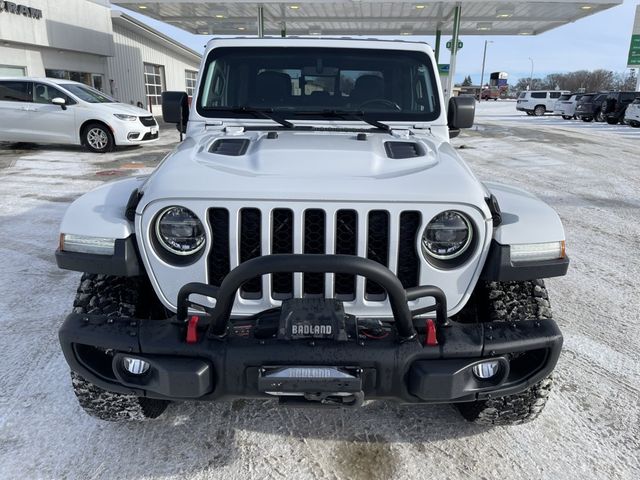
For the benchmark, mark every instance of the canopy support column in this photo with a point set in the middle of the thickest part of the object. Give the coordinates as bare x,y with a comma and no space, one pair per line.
438,37
457,11
260,21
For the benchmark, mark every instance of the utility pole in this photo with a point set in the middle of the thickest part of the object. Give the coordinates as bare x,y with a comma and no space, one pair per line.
530,76
484,58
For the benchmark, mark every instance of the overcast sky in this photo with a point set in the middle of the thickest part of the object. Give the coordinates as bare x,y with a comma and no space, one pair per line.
598,41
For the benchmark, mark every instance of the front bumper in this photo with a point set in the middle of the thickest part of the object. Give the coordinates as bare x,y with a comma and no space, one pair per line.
226,358
134,133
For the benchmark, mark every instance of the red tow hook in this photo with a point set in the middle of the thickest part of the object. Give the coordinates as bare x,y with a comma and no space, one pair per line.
431,339
192,329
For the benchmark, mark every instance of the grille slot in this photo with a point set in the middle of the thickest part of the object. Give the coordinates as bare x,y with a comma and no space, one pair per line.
233,147
408,261
219,264
250,247
403,150
282,242
377,249
346,244
314,242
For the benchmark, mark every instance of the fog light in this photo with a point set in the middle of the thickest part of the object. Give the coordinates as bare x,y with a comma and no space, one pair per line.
486,370
136,366
133,135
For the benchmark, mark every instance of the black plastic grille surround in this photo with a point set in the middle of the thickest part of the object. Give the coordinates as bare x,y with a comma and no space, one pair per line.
314,242
314,224
250,247
148,121
282,242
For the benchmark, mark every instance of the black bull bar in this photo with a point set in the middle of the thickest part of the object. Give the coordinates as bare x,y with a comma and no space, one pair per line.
290,263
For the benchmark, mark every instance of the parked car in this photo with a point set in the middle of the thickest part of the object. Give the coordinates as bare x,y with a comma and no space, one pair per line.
589,107
615,104
490,93
566,105
632,114
48,110
538,102
320,246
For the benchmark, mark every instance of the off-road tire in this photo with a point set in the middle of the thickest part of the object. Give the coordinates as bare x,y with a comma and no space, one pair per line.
587,119
122,297
634,124
567,117
612,120
97,138
539,111
512,302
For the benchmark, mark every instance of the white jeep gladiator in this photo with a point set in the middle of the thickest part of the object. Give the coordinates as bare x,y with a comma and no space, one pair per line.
314,239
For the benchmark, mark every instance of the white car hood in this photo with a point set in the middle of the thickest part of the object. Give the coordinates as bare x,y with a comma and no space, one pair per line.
314,165
125,109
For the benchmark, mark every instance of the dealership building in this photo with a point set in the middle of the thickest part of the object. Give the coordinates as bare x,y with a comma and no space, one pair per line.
85,41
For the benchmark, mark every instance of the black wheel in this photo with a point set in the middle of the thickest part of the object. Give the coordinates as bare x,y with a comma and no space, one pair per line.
587,119
539,110
123,297
612,120
511,302
567,117
97,137
634,124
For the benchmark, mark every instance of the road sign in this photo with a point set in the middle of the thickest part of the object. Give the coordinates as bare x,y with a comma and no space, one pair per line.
634,48
450,43
443,68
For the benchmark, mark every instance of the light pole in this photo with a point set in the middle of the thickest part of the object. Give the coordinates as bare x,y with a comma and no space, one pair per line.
484,58
530,76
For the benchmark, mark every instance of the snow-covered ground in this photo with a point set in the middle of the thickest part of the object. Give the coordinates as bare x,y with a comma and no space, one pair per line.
590,429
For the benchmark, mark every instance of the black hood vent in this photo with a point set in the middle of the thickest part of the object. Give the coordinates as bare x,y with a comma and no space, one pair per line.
233,147
403,149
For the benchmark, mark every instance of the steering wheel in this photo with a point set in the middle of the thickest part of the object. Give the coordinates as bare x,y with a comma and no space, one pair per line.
382,101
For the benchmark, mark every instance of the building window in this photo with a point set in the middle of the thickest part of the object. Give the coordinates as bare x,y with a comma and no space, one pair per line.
91,79
11,71
153,83
190,78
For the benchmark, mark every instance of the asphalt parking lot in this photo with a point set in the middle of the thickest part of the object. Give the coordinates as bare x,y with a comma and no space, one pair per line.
590,173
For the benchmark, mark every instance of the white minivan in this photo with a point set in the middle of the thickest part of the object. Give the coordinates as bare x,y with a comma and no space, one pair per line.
538,102
48,110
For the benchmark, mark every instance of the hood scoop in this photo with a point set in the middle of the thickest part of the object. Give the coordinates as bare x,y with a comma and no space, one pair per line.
232,147
403,149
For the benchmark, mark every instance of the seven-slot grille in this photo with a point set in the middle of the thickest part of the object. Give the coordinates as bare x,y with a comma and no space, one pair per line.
250,232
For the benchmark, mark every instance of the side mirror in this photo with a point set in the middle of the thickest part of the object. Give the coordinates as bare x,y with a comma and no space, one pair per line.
61,102
460,114
175,109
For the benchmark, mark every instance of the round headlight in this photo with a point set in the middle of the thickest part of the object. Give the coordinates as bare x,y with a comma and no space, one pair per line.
180,231
447,236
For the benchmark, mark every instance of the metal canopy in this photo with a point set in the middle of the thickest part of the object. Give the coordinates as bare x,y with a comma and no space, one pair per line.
371,17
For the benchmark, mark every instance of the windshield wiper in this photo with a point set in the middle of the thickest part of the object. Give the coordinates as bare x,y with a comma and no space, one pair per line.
267,113
348,115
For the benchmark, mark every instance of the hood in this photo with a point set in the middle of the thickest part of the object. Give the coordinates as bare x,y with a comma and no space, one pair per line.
315,165
118,107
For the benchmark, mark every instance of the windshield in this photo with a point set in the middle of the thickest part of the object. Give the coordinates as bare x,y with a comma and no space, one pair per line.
305,82
88,94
